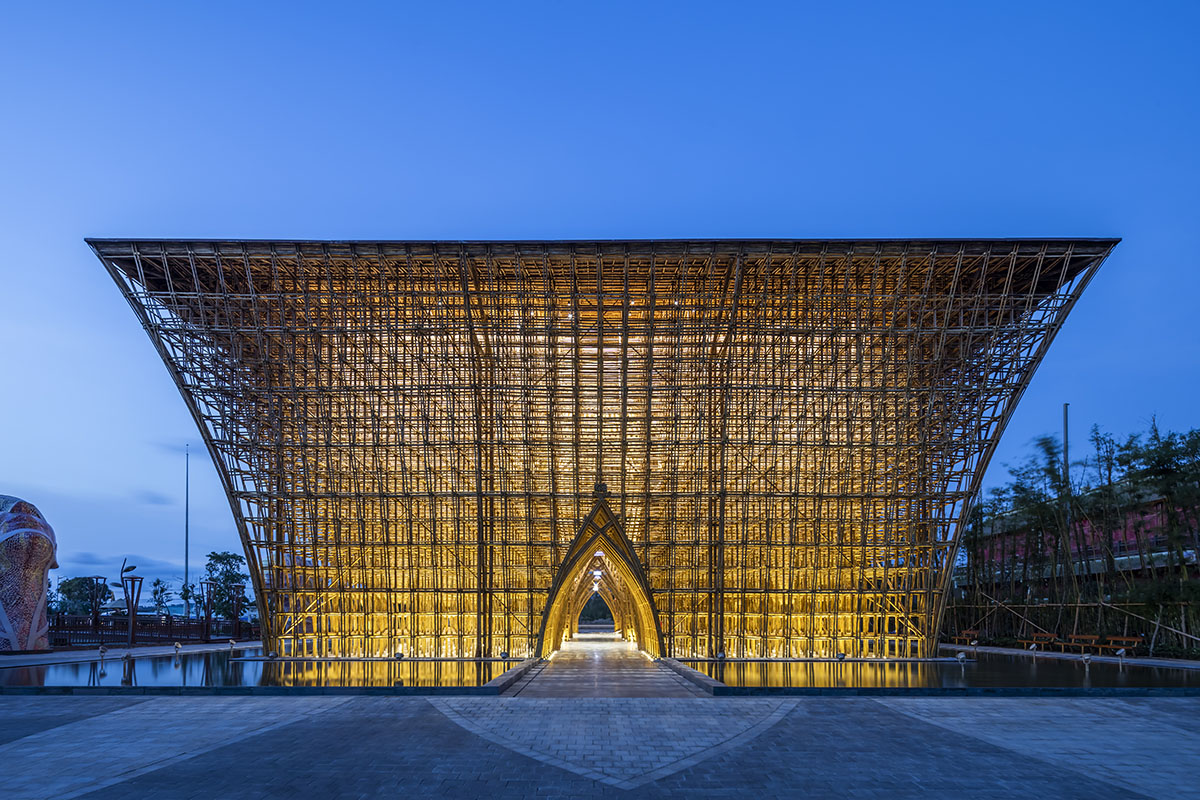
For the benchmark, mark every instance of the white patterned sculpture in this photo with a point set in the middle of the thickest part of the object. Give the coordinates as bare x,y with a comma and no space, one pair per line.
27,553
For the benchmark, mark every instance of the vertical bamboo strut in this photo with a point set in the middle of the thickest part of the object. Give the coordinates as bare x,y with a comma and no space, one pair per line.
411,434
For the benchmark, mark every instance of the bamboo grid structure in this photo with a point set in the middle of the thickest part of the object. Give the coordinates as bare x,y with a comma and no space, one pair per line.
772,443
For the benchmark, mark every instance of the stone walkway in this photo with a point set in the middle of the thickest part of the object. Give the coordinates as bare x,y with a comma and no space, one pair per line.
623,743
601,665
500,747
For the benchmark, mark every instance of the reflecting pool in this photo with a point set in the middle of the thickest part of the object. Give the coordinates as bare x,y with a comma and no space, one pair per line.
987,670
245,668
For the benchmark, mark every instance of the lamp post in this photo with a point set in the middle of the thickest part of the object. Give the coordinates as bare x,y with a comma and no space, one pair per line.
187,500
207,586
132,584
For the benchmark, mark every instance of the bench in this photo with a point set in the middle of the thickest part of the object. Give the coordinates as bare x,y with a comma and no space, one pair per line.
1082,641
1042,640
966,637
1126,643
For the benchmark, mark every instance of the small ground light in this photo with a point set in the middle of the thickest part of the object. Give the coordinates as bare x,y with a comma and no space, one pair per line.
272,655
103,650
841,656
1087,658
399,655
961,656
504,654
1121,655
178,647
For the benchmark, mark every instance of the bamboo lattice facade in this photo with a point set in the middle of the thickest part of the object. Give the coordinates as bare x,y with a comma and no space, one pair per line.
770,445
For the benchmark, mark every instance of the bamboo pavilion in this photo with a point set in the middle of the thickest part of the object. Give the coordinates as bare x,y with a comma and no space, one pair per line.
748,448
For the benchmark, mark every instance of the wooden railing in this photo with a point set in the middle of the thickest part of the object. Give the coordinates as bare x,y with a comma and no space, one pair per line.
1170,628
83,631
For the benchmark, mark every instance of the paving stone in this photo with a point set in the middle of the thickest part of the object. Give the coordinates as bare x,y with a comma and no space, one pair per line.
599,747
1112,740
821,747
108,748
25,716
602,665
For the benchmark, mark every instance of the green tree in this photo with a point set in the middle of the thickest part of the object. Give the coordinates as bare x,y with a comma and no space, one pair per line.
1123,528
75,596
161,594
224,571
595,610
1167,467
1104,506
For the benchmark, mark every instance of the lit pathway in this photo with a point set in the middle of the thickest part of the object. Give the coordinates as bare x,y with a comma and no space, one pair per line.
601,665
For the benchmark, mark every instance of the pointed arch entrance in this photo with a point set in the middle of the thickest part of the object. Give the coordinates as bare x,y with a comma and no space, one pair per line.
600,560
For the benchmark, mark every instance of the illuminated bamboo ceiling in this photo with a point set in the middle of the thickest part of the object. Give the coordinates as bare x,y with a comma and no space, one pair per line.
412,434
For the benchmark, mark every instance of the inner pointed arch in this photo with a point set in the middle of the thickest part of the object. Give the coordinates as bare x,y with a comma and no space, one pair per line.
601,560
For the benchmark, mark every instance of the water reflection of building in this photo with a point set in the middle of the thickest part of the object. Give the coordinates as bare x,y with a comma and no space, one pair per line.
24,676
764,447
381,672
875,674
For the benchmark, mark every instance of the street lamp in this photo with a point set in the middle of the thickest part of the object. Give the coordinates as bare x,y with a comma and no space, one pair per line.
132,584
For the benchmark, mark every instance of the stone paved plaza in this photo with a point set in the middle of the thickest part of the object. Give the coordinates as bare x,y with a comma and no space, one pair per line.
598,747
599,720
352,747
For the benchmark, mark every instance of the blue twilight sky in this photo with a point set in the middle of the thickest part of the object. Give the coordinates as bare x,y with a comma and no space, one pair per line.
557,120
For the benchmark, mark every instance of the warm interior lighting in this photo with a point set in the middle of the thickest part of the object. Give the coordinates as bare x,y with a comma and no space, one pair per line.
760,449
617,578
